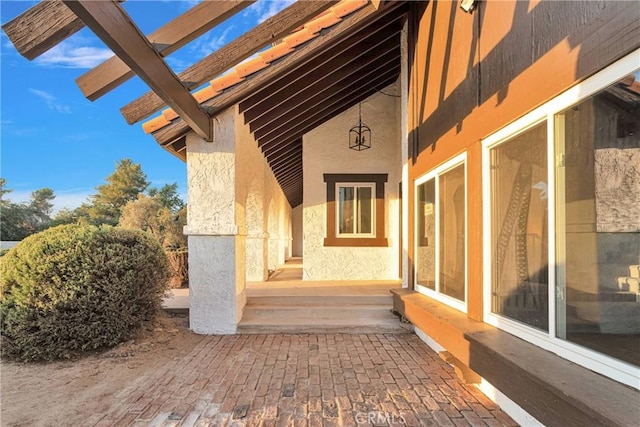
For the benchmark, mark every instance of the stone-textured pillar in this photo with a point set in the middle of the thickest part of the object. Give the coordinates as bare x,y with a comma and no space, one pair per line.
216,244
256,257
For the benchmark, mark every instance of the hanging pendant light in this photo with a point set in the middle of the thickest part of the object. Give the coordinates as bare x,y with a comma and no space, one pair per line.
360,134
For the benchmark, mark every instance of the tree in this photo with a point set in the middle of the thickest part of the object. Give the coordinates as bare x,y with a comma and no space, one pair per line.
168,196
123,185
148,214
19,220
40,209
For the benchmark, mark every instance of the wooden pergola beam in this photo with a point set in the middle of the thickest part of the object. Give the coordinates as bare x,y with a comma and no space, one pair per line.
42,27
233,53
286,65
111,23
169,38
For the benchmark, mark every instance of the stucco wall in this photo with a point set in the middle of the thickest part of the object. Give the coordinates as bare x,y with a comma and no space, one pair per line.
261,206
297,226
326,150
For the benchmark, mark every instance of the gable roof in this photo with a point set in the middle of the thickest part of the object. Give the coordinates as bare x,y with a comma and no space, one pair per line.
338,54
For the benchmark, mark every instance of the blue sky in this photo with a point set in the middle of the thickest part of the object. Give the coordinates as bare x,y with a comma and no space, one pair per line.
51,136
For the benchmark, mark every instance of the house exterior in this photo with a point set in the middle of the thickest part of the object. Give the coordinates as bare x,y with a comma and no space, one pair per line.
502,186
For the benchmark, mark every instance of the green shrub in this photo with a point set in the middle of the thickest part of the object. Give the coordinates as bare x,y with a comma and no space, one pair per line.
76,288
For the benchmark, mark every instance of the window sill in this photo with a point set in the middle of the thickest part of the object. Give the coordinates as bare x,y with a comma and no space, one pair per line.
356,242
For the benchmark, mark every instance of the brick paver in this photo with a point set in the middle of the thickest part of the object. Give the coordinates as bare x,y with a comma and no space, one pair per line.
305,380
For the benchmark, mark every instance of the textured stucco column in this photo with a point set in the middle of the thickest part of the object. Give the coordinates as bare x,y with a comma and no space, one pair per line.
256,257
216,243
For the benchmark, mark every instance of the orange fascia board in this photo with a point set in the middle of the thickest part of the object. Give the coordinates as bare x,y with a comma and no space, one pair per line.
275,52
327,20
299,37
155,124
346,7
221,83
252,66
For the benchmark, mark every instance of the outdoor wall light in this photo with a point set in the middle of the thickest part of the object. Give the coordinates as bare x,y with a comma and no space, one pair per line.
468,5
360,134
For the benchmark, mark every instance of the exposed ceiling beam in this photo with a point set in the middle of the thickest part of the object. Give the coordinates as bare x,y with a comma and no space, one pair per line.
286,159
286,66
116,29
42,27
317,117
343,60
233,53
325,115
325,99
291,177
296,145
342,53
167,39
287,165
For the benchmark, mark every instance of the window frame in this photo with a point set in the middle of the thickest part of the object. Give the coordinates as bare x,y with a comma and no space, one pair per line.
435,173
356,186
377,183
599,362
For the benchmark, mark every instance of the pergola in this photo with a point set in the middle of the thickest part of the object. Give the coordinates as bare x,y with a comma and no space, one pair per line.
322,57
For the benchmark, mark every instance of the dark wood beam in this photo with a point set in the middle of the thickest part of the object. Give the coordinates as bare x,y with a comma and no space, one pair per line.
300,110
286,165
297,145
359,70
286,159
233,53
116,29
42,27
293,177
334,66
341,104
169,38
285,67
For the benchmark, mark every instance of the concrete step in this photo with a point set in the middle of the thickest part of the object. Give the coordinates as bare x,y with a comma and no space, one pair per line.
375,318
315,300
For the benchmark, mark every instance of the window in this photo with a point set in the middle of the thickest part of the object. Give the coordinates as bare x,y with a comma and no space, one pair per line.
355,210
441,234
562,224
519,256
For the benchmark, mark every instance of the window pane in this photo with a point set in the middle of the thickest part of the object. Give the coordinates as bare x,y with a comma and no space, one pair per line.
345,210
598,222
426,238
365,210
452,233
519,228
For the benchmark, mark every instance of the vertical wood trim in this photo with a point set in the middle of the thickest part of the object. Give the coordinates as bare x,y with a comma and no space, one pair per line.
474,232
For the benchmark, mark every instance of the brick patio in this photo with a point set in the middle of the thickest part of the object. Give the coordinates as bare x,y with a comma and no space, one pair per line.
304,380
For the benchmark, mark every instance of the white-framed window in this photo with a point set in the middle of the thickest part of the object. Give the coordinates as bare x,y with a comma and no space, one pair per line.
441,236
355,210
561,191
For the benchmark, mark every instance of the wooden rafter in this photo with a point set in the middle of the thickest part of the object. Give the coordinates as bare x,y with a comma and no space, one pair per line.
42,27
286,65
116,29
335,69
167,39
299,112
233,53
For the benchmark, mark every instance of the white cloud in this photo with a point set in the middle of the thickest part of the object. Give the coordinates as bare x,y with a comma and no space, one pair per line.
206,45
51,101
71,54
263,10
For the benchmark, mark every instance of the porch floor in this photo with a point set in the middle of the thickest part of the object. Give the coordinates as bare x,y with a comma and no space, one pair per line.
287,304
